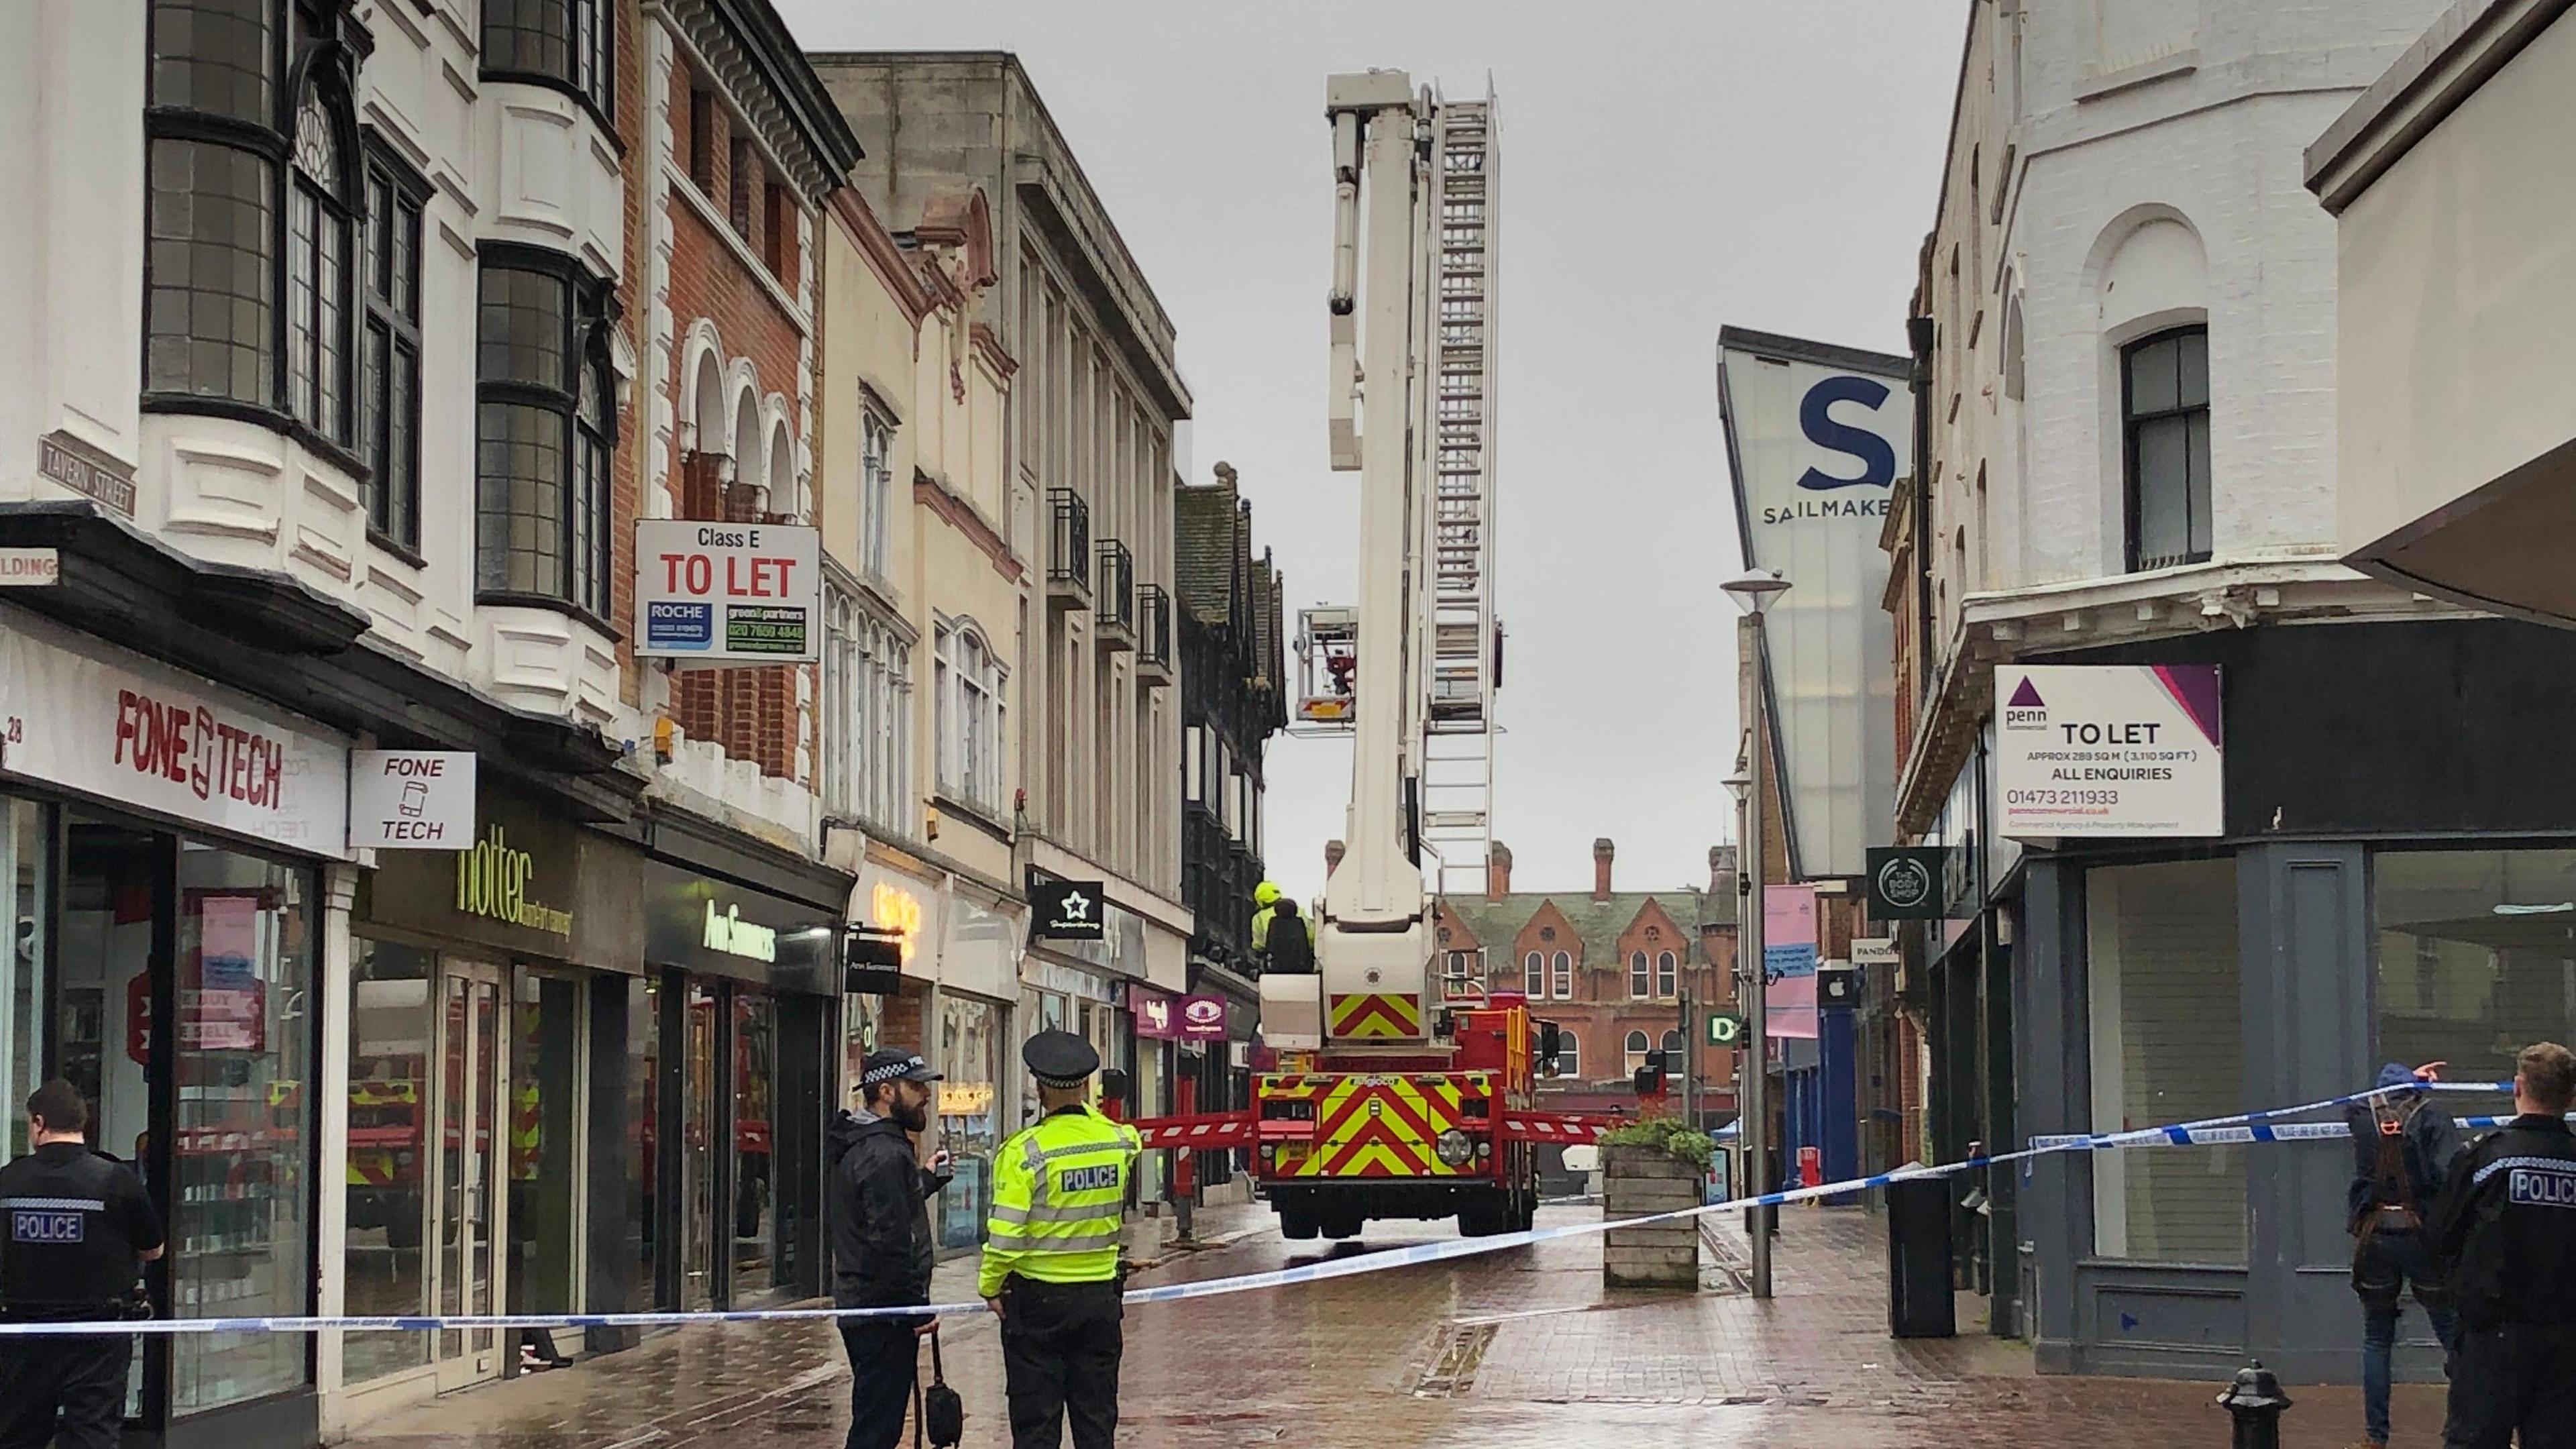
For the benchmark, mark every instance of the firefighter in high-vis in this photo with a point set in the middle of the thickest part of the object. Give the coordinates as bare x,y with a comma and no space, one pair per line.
1051,1268
1265,908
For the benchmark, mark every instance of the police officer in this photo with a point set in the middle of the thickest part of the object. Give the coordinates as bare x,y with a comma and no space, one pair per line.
1051,1268
2505,1228
79,1226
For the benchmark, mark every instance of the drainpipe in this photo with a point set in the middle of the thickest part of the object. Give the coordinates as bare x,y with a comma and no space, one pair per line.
1919,333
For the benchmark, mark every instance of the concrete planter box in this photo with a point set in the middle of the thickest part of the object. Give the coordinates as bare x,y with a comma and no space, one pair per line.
1637,1182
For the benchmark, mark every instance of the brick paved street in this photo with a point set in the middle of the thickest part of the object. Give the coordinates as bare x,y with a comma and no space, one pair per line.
1519,1348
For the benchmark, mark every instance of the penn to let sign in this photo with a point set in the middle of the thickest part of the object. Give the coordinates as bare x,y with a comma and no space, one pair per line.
728,593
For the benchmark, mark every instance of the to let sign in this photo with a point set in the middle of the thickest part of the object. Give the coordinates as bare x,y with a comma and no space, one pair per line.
728,593
411,799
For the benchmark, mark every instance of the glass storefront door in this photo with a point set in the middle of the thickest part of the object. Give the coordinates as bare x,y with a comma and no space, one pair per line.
471,1212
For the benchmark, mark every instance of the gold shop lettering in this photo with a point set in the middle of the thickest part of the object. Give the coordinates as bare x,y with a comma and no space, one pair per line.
492,882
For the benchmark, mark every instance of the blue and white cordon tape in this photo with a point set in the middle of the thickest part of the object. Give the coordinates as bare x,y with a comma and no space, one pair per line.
2260,1126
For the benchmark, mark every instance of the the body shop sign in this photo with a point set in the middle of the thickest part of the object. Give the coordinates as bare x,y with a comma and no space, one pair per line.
92,718
2085,750
728,593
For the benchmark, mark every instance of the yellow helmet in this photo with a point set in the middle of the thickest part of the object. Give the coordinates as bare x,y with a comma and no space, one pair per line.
1264,894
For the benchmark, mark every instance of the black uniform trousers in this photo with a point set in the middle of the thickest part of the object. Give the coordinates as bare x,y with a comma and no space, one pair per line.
69,1392
2513,1376
1060,1348
885,1362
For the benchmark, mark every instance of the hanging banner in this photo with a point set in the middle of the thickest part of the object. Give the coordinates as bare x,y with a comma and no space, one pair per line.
1789,959
2132,750
1816,437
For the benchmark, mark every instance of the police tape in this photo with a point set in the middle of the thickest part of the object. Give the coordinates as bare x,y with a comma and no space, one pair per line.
2259,1126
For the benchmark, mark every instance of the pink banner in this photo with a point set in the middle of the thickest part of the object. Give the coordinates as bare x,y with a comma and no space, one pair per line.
1789,959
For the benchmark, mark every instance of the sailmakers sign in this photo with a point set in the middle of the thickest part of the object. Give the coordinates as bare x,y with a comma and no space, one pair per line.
1817,437
2085,750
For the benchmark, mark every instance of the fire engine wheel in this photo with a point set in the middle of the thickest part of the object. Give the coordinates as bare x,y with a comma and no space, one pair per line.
1299,1222
1486,1216
1339,1228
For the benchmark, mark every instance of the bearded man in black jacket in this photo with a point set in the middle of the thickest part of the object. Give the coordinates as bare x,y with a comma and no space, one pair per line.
881,1244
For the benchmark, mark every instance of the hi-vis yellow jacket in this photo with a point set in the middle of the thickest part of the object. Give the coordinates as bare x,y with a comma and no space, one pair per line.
1059,1194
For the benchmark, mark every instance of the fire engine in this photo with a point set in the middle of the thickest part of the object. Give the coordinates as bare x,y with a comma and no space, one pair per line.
1404,1087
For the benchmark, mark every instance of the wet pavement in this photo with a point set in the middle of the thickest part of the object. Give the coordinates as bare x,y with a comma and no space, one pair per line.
1521,1347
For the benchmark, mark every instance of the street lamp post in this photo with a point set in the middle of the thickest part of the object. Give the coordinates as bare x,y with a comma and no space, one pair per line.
1753,592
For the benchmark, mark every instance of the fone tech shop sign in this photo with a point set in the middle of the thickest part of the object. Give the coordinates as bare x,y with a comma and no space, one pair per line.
411,799
2131,750
1817,437
1069,910
728,593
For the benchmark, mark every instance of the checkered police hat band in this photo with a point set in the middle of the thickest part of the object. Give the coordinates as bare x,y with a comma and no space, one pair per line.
890,1071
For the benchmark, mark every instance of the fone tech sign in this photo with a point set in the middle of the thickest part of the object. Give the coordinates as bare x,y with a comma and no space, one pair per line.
2130,750
728,593
1817,437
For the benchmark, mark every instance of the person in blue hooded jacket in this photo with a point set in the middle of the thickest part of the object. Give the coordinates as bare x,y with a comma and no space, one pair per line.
2403,1145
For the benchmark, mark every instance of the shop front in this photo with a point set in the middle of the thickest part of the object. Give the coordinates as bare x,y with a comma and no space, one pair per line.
171,879
495,1162
2392,882
742,1052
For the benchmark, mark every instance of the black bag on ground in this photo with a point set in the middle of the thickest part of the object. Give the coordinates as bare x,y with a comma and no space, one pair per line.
943,1413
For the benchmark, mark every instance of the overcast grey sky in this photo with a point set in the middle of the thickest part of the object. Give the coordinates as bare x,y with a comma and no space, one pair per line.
1667,167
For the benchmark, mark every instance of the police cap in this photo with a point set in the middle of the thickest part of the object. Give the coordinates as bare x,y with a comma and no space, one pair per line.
1060,1059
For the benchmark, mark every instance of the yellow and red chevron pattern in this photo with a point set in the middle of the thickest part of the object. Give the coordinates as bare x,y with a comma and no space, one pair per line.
1380,1126
1392,1015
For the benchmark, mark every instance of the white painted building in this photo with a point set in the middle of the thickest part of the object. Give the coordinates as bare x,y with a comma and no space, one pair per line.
2127,366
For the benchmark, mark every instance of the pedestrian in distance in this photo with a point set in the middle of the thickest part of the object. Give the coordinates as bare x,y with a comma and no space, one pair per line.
881,1245
2504,1230
1292,950
80,1229
1051,1268
2402,1148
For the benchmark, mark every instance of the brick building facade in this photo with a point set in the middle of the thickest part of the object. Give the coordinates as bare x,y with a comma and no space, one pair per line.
1608,967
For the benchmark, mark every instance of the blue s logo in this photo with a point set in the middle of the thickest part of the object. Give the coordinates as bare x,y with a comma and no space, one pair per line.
1815,419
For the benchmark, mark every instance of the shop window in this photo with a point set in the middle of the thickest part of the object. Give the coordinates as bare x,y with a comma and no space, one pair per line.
543,434
547,1067
753,1215
390,1153
2167,1040
2165,423
2476,955
968,1112
240,1235
22,926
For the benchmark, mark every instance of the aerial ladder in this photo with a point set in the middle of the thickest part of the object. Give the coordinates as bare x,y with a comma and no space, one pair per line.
1404,1086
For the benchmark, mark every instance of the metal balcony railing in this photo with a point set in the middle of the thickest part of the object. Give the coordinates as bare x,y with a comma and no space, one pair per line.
1068,539
1113,603
1154,626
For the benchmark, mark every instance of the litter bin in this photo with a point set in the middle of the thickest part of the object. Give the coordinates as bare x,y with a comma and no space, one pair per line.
1919,1301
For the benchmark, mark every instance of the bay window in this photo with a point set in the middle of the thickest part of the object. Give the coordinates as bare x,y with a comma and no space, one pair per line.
544,432
566,44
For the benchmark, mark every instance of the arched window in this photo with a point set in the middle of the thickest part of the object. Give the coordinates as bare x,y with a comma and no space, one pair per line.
970,714
1667,975
244,95
1639,985
1636,1051
1673,1052
320,218
2164,411
1569,1053
1561,971
1534,976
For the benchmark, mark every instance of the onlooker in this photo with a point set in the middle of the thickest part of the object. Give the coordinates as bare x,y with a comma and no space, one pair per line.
2504,1229
881,1245
2401,1148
